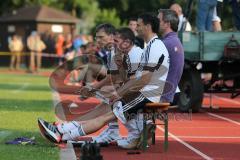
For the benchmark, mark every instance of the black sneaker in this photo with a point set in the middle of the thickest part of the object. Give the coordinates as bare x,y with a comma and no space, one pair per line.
49,131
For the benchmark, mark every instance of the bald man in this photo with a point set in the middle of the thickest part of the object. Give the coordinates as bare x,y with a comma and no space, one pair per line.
183,24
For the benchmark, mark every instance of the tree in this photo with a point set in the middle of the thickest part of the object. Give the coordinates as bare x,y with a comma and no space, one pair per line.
108,16
10,5
92,12
132,8
89,13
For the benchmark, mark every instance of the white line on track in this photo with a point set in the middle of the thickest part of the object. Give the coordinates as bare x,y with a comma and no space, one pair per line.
201,127
25,85
224,118
195,137
187,145
205,137
67,153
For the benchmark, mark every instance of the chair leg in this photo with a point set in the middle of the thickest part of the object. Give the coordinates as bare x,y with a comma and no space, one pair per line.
153,134
166,132
153,129
144,134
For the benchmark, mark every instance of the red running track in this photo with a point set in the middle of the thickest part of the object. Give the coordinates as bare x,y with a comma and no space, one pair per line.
214,133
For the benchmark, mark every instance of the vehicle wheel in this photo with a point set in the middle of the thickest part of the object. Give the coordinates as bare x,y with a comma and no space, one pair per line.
191,96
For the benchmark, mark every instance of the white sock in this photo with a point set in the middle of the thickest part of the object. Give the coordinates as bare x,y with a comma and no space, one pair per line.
73,134
132,128
139,122
66,127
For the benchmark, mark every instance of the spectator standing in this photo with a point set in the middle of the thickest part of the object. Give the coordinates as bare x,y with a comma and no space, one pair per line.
216,21
68,44
15,47
40,46
205,14
77,42
235,4
183,24
59,48
36,46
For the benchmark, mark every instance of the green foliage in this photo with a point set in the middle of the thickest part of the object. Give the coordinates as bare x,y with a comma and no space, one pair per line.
9,5
108,16
85,10
117,12
89,13
132,8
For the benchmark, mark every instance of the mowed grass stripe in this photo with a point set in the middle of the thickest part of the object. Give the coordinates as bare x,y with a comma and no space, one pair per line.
25,85
18,116
4,134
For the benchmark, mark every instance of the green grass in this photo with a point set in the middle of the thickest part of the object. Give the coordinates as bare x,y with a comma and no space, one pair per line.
24,98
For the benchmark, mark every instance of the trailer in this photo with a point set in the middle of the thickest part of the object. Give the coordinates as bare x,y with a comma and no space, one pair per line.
216,54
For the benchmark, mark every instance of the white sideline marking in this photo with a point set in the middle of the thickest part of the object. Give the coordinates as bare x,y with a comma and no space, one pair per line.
205,137
187,145
193,137
25,85
67,153
199,127
223,118
56,100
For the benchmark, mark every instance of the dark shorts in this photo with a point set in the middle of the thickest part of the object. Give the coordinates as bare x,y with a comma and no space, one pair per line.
131,104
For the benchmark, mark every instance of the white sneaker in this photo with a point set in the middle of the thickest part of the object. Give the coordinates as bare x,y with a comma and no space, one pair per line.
129,142
107,136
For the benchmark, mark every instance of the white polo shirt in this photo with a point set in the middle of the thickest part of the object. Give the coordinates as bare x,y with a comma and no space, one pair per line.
153,52
134,55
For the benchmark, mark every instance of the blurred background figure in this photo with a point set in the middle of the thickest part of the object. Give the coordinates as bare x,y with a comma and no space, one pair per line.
205,14
15,47
235,4
40,46
50,41
77,43
68,44
184,24
216,21
68,48
78,50
36,46
132,24
59,49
